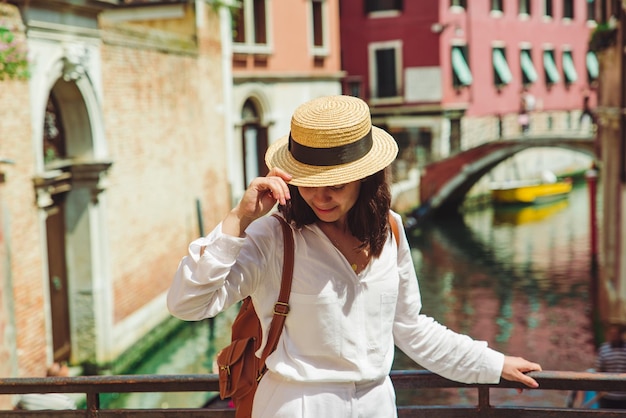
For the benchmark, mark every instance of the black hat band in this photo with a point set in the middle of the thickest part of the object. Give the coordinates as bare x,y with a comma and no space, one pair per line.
342,154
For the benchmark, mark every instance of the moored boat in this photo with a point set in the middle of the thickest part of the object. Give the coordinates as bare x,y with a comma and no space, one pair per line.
529,193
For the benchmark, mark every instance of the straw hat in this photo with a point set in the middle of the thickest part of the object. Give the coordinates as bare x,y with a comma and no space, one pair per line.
332,141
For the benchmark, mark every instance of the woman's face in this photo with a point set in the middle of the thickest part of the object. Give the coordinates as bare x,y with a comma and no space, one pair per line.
331,203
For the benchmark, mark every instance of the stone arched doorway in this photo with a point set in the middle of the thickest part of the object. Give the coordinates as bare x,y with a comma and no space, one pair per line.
67,193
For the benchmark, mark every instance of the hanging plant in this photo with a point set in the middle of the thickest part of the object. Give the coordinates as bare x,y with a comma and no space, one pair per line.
603,36
13,53
234,8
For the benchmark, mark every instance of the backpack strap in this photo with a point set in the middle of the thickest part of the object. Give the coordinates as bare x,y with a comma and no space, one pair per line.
394,229
281,308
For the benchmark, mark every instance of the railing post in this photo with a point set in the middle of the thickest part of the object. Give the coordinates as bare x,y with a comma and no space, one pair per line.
93,404
483,401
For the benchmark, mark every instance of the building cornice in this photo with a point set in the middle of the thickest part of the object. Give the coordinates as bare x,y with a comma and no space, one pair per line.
274,77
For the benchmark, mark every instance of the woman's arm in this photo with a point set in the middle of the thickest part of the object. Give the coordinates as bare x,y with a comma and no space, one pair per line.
223,267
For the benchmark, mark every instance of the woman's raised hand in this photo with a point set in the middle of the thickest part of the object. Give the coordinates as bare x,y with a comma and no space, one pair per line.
260,197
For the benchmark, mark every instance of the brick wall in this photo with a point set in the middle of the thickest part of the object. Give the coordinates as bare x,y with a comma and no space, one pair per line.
162,110
21,245
164,130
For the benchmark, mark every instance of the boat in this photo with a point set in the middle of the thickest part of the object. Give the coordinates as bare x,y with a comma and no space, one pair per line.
531,192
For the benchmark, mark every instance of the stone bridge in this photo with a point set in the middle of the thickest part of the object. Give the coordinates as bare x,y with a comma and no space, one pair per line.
444,184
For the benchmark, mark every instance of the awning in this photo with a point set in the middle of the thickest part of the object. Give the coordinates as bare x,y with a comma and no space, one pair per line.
527,66
501,66
550,66
593,68
460,67
569,69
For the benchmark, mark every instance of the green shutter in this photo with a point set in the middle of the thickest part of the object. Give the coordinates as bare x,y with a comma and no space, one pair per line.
550,66
460,67
527,66
501,66
569,69
592,65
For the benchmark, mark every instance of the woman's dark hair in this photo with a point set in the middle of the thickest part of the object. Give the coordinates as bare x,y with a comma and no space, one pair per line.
368,219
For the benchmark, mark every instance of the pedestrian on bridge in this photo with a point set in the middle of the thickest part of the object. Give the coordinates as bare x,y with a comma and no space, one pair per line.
612,359
354,294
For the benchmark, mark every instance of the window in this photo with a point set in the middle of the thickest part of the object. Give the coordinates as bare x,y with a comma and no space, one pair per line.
569,69
54,146
382,5
386,73
524,7
254,143
549,66
496,5
591,10
385,60
529,74
593,68
461,73
501,72
547,8
239,27
250,27
458,3
568,9
318,27
353,86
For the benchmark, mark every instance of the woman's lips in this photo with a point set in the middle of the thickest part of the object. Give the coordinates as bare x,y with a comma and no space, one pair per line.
320,210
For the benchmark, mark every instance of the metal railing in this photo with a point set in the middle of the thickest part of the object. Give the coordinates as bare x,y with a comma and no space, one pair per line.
93,386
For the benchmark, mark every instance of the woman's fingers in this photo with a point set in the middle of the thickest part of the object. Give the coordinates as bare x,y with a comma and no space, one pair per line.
277,184
264,192
514,369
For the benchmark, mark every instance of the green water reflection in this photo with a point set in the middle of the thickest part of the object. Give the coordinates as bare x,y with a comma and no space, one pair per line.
517,278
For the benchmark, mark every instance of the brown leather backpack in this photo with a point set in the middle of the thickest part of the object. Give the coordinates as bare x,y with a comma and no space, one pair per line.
240,370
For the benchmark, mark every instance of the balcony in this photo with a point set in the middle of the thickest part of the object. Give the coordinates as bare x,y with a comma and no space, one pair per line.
93,386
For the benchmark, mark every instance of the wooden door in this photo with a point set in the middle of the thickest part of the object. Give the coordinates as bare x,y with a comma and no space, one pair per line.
57,269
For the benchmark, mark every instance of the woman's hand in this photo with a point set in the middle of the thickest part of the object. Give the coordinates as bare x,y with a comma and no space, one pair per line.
258,200
514,369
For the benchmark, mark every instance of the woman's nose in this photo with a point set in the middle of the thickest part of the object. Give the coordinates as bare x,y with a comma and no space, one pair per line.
321,193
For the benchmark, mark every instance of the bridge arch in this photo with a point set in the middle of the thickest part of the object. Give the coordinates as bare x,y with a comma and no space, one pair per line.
444,184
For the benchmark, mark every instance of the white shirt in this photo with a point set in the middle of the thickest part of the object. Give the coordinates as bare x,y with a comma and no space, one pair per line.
342,326
45,401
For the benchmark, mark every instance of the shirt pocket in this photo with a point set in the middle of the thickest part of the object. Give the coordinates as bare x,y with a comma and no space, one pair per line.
379,323
313,324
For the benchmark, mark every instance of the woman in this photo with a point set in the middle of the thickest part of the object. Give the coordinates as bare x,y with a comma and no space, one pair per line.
354,293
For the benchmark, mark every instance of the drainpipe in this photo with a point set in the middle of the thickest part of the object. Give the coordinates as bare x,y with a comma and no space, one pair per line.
227,59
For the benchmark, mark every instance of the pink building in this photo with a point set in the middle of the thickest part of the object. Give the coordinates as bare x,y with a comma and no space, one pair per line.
446,75
284,53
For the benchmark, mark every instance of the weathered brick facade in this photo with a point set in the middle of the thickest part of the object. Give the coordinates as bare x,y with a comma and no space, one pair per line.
164,142
153,93
20,276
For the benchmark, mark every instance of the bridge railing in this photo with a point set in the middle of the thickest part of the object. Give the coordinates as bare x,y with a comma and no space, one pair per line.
93,386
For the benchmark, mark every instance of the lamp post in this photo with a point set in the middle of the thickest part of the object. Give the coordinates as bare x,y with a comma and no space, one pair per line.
592,181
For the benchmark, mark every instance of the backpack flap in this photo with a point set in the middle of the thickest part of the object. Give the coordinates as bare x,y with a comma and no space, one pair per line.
238,367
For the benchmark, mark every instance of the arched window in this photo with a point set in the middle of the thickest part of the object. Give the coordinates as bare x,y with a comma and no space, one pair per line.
53,134
254,141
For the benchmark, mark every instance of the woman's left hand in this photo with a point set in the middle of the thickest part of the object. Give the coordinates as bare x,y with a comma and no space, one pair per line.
514,369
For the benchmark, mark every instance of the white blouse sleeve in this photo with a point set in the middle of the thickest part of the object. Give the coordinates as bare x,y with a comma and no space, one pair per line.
227,271
432,345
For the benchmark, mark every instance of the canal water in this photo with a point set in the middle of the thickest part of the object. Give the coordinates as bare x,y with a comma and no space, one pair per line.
518,278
